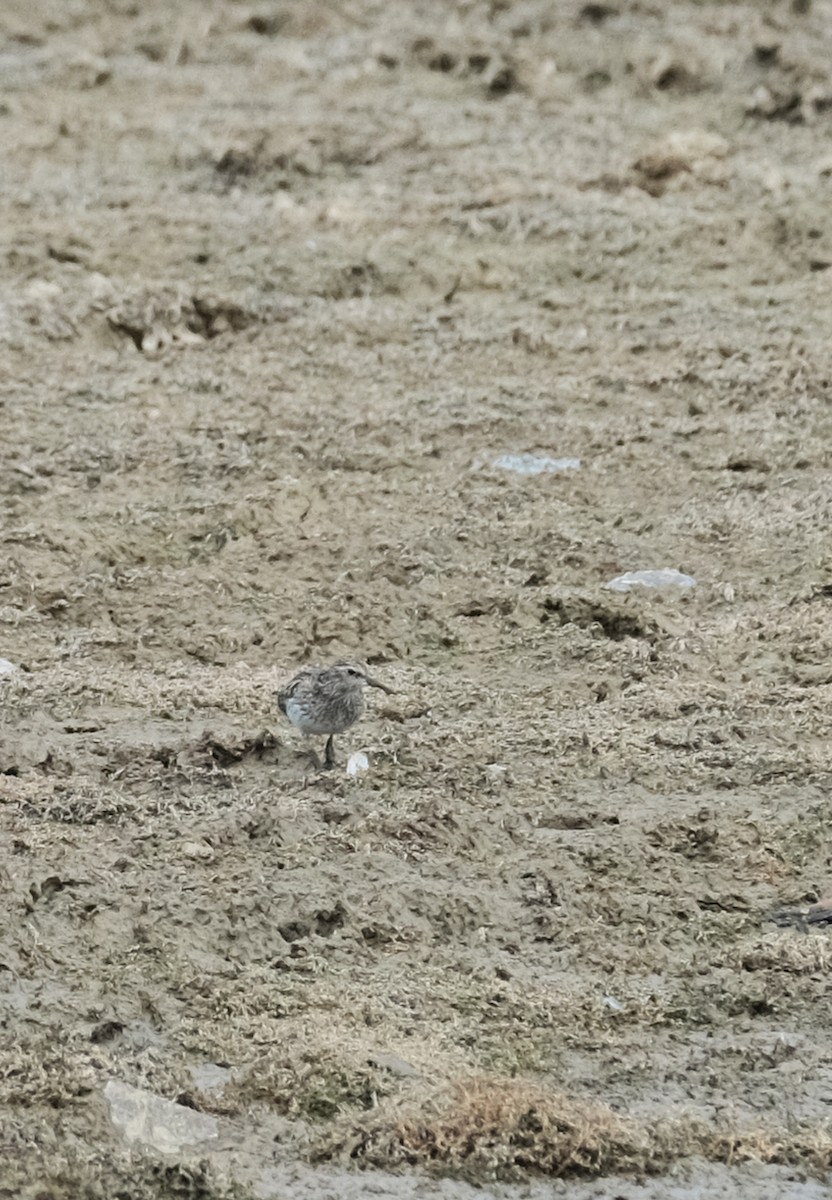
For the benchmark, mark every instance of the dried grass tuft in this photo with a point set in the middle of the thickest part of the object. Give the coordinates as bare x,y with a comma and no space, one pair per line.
810,1148
793,952
509,1129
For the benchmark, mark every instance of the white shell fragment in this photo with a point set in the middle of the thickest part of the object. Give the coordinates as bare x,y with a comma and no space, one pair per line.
666,577
7,668
535,464
357,763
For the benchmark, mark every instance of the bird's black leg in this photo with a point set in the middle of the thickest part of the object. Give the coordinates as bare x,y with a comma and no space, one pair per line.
329,752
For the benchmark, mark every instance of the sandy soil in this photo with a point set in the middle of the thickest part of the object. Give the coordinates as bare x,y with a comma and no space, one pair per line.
280,283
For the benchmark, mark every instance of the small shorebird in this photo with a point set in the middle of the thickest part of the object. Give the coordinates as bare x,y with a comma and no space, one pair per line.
326,700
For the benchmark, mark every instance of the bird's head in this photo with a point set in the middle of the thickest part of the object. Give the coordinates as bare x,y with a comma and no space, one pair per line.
357,672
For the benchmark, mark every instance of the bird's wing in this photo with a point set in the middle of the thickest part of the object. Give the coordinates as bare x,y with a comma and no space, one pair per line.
285,694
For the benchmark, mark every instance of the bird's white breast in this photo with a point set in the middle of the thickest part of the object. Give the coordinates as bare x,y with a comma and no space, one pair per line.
303,719
296,713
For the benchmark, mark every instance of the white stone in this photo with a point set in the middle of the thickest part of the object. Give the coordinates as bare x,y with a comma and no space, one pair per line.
142,1116
210,1077
535,464
357,763
666,577
200,851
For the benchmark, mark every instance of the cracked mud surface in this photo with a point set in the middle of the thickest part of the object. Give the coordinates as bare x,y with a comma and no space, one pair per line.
281,284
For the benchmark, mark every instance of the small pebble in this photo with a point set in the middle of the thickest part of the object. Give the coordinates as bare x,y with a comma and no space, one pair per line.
395,1065
535,464
200,851
666,577
209,1076
357,763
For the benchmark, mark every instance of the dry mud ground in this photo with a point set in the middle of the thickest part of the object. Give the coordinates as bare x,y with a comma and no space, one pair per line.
279,283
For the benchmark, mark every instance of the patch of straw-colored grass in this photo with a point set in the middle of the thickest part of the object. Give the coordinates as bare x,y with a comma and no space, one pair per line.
793,952
506,1129
512,1128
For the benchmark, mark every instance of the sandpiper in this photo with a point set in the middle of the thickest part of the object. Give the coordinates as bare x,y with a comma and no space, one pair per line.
326,700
